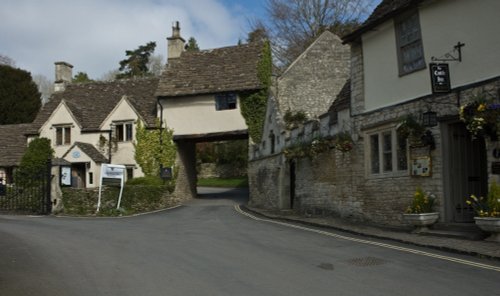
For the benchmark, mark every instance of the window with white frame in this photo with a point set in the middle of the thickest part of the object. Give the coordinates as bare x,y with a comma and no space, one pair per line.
387,152
63,135
124,131
409,44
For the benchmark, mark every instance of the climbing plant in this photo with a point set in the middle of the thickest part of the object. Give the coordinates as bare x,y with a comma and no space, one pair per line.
154,148
253,104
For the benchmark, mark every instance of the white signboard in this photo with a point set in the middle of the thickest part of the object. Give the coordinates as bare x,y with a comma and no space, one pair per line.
65,175
112,171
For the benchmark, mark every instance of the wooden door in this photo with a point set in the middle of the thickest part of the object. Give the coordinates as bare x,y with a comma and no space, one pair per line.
467,169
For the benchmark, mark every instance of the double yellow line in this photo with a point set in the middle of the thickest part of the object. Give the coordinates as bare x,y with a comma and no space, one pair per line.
367,242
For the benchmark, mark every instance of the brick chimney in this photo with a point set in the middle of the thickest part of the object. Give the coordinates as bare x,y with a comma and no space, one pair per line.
64,75
175,43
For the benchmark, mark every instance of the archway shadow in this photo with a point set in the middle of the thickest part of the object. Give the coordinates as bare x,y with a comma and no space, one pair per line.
235,195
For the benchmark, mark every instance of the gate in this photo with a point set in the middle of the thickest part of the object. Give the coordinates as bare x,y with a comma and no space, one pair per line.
28,194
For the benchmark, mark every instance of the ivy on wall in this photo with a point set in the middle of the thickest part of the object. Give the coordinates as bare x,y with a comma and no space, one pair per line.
151,152
253,104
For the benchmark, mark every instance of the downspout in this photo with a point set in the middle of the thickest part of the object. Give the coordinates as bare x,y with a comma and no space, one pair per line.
161,130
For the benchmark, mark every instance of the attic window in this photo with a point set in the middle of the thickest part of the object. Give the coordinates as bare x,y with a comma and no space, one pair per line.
124,131
63,135
225,101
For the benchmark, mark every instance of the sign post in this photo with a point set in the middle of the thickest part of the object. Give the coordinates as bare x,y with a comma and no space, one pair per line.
111,171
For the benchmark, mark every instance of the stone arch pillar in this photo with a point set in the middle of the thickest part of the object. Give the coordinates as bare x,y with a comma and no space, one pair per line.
185,187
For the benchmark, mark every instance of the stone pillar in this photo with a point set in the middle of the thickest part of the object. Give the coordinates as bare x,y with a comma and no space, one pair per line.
185,186
64,75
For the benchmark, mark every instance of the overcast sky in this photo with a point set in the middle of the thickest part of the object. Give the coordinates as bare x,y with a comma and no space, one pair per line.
93,35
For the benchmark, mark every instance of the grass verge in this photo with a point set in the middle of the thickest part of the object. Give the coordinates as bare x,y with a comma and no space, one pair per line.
230,183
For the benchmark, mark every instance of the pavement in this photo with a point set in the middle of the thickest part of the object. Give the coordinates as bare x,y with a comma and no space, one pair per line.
478,248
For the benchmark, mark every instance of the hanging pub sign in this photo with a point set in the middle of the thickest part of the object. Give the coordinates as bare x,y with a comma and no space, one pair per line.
440,78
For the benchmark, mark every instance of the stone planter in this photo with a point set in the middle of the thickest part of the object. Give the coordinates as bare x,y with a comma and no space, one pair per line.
490,225
422,221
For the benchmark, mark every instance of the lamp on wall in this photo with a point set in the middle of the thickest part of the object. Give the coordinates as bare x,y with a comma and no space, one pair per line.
429,119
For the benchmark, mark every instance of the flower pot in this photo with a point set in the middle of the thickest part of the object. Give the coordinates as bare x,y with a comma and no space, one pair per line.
421,221
490,225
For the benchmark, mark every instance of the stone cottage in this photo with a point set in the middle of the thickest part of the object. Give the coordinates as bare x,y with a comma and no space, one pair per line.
392,55
94,123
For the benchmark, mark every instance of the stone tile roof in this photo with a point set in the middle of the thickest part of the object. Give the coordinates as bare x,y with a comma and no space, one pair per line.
224,69
387,9
343,99
90,150
92,102
13,144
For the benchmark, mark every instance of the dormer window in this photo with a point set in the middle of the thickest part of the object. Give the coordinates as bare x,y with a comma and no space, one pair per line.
226,101
124,131
409,44
63,135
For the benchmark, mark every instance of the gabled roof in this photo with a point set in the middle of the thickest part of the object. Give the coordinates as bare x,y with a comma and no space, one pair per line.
13,144
91,103
90,150
224,69
343,99
386,10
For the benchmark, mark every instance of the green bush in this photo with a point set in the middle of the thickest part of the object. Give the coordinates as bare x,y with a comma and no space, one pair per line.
135,199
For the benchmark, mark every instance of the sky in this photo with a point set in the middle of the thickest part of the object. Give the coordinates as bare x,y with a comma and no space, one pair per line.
93,35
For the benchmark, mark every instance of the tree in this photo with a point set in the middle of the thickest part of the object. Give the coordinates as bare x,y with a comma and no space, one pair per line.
259,33
137,62
110,75
192,45
154,148
45,86
35,158
81,77
19,96
294,24
5,60
156,65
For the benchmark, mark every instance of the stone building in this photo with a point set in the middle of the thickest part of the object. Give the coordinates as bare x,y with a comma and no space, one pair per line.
391,60
94,123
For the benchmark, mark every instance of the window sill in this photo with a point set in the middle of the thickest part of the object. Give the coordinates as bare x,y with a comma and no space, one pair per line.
398,174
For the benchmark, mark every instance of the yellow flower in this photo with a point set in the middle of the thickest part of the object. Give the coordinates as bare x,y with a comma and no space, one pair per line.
481,107
468,202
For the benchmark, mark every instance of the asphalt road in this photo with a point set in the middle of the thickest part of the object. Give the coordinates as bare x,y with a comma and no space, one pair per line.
208,248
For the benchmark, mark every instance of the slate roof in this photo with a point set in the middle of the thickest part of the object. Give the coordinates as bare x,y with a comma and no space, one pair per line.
13,144
90,150
343,99
91,103
387,9
224,69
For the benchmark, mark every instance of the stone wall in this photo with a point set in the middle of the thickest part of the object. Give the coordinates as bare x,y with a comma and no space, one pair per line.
314,79
336,183
185,186
266,182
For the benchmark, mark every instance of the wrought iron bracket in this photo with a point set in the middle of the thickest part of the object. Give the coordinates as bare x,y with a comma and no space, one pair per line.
450,56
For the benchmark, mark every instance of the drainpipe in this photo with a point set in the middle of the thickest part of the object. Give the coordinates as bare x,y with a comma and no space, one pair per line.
161,130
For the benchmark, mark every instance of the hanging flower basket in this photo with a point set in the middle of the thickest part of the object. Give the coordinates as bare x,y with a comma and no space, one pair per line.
481,118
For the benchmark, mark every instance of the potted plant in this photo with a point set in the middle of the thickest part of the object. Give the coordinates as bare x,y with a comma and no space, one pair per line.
488,212
420,213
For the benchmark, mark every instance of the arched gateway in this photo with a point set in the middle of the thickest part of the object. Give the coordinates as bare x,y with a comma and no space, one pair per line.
199,97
